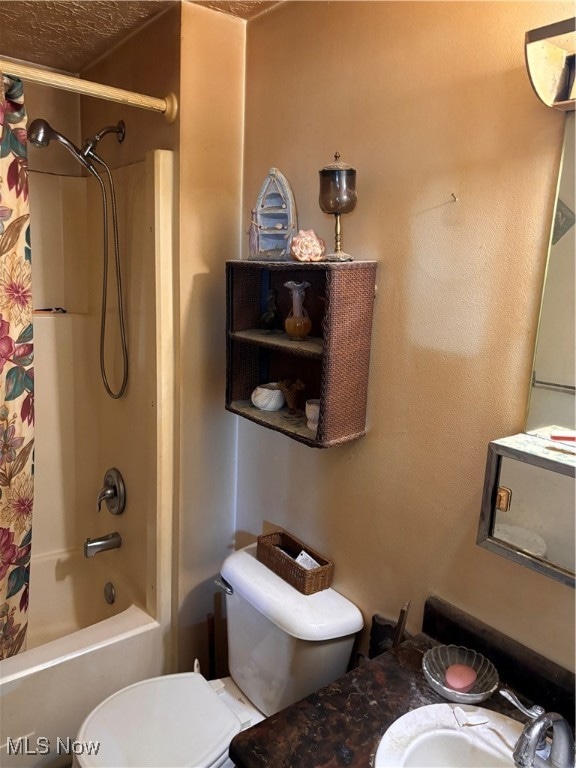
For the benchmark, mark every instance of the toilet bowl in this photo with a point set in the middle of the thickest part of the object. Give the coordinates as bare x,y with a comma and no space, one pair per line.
282,645
174,720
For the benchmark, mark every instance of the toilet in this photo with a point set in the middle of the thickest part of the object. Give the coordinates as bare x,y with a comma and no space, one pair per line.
282,645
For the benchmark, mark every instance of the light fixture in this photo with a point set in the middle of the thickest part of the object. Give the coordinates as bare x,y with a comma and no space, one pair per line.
550,54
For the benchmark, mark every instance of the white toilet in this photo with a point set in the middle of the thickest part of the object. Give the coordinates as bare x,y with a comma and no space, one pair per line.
282,645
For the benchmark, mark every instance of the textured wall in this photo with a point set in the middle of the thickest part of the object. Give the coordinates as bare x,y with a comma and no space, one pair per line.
212,91
424,99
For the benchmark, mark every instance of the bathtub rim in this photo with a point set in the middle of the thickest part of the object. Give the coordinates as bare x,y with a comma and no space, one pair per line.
128,623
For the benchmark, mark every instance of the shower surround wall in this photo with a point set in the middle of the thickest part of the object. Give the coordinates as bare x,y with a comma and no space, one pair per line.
82,432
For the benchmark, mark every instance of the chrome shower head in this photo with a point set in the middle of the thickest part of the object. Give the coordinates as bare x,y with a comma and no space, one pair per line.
41,133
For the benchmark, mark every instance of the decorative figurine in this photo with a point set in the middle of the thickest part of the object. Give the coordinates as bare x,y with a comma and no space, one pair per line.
271,322
253,236
290,390
275,221
307,246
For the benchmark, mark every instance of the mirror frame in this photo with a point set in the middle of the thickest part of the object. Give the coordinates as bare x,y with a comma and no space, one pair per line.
497,450
550,59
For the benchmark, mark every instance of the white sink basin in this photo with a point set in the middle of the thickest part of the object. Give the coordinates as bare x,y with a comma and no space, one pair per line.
449,736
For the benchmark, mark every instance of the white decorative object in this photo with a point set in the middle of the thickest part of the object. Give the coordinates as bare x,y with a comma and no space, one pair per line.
267,397
312,413
307,246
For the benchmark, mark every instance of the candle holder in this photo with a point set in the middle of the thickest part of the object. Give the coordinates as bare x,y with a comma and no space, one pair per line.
338,196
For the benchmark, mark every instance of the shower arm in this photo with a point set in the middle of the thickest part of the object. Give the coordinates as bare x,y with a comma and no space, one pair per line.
91,144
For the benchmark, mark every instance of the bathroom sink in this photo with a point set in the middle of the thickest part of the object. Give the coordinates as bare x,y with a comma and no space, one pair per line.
449,736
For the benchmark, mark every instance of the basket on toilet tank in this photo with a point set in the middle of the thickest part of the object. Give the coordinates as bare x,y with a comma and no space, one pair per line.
279,550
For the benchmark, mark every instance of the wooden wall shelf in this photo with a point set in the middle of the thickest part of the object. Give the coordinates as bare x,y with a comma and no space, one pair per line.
332,362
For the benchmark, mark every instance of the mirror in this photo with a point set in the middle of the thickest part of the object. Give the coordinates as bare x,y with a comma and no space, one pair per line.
528,504
529,489
552,393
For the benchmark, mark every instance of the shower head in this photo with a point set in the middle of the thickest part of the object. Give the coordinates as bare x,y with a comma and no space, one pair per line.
41,133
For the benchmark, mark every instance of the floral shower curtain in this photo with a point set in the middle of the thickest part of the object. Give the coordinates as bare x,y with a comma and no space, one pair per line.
16,372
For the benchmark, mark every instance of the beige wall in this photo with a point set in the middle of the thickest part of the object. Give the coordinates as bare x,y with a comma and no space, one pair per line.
198,54
425,100
212,78
147,62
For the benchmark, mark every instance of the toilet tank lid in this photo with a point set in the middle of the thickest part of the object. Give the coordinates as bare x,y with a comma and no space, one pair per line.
324,615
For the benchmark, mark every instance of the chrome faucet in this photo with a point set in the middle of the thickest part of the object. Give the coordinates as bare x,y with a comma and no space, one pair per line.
533,750
101,544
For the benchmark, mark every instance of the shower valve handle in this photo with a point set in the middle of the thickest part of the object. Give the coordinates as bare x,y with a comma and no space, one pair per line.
105,494
113,492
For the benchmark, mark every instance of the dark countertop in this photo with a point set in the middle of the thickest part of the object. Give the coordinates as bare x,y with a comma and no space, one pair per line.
342,724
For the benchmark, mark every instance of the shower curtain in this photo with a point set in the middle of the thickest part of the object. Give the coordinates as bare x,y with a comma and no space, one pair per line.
16,372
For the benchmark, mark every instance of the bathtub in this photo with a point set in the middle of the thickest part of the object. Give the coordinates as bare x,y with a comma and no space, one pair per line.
71,665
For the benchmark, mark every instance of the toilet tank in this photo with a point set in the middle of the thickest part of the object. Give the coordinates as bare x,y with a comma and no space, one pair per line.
283,645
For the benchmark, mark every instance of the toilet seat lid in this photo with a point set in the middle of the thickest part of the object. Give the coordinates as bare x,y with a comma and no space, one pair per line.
174,720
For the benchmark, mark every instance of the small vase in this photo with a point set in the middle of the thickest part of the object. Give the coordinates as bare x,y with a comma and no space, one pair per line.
297,324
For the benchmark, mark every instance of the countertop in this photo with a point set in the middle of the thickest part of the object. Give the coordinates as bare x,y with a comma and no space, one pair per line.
342,723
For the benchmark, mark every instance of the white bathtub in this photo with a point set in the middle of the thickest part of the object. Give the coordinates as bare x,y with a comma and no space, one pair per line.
47,690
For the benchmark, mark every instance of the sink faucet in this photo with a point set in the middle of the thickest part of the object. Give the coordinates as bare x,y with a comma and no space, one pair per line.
534,751
110,541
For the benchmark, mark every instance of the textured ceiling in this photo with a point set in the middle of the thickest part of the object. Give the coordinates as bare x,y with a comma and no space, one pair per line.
245,9
70,34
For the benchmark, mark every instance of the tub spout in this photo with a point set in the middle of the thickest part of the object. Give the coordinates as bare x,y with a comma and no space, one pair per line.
101,544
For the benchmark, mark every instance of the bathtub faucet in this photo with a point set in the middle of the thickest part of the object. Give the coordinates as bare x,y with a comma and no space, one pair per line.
101,544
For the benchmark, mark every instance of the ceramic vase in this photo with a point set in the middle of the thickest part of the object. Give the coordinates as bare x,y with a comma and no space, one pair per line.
297,324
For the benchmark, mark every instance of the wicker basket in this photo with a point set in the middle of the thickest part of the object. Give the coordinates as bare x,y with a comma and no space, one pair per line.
278,551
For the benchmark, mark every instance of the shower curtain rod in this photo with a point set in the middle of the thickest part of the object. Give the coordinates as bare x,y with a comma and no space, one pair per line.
168,106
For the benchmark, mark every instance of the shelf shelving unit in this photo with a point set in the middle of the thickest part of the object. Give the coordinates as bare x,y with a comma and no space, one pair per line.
332,362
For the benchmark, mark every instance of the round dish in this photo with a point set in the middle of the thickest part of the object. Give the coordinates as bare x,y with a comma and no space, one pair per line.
437,660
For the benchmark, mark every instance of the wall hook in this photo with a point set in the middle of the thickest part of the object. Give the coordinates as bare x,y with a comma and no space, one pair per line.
454,198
